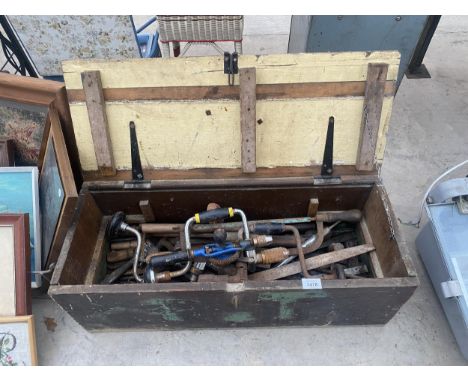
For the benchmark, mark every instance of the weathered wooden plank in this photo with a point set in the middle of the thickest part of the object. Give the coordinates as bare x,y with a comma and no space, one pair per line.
289,175
313,207
259,202
214,305
208,71
384,230
372,112
263,91
97,266
78,246
374,260
115,256
96,109
248,122
311,263
147,210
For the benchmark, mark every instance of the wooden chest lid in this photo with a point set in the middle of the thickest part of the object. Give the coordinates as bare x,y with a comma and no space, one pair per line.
187,117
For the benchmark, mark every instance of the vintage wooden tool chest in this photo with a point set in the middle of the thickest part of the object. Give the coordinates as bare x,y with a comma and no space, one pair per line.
263,144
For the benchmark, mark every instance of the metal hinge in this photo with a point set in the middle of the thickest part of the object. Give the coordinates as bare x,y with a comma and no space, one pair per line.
137,181
327,163
326,174
451,288
137,170
230,66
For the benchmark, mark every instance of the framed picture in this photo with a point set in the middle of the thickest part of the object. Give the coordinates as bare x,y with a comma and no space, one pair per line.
57,192
19,193
24,104
15,276
25,125
17,341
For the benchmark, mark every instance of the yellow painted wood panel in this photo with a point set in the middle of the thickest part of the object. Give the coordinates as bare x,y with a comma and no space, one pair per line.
208,71
181,135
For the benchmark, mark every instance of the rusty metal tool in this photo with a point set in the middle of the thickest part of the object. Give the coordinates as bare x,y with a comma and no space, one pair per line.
208,253
300,251
313,243
123,244
219,237
117,224
120,255
165,228
356,271
311,263
339,269
350,216
205,253
277,228
114,275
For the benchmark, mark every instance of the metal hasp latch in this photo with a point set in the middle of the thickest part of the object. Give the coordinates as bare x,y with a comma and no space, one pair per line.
231,66
137,170
451,288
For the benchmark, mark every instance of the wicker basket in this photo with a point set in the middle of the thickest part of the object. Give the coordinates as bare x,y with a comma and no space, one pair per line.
200,28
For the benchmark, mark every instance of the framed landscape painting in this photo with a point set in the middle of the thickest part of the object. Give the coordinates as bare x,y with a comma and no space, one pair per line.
19,194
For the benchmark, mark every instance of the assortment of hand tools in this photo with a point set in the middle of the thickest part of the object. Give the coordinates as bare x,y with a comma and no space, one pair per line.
208,248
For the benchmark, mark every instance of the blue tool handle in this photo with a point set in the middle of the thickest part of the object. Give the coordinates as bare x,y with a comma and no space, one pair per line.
216,250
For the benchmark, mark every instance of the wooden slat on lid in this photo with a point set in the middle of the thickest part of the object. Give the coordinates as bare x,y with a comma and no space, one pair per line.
98,122
248,115
371,115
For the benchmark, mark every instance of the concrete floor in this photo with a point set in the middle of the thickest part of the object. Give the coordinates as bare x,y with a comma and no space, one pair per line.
427,135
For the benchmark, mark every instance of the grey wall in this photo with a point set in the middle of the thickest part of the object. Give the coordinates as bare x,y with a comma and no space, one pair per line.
357,33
